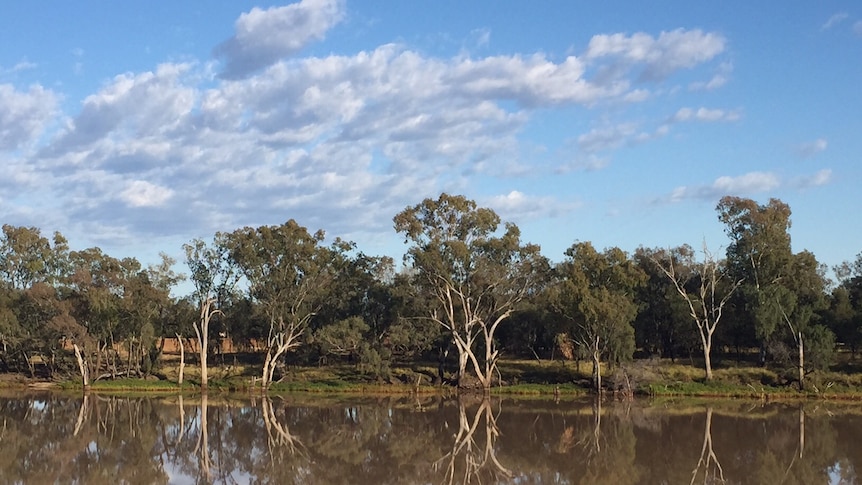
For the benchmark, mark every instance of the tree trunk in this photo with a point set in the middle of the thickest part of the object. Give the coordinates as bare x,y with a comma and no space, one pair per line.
597,366
266,375
82,367
462,363
801,363
706,340
202,332
204,350
182,360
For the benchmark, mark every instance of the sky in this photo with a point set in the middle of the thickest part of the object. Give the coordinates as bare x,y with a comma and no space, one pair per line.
139,126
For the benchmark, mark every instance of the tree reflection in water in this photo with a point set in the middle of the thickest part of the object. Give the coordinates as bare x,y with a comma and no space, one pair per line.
54,438
469,458
708,461
279,438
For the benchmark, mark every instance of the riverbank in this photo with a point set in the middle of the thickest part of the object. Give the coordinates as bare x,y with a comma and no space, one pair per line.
517,377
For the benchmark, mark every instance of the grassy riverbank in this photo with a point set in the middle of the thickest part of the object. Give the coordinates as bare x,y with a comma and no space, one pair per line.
517,377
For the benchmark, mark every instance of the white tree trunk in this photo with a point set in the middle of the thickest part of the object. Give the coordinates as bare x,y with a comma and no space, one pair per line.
82,367
202,332
597,365
182,359
801,362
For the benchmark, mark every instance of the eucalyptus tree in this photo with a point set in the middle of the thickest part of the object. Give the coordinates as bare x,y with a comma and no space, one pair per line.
845,312
595,295
476,276
159,280
759,253
798,300
289,272
214,276
781,289
663,324
27,257
702,285
96,288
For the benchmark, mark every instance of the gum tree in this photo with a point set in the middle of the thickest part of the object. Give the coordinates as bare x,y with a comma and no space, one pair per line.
476,275
701,285
781,289
288,272
595,295
214,277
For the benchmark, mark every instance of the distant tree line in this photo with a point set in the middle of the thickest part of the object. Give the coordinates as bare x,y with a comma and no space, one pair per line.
470,292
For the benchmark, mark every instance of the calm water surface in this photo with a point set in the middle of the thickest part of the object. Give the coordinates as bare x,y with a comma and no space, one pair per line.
57,438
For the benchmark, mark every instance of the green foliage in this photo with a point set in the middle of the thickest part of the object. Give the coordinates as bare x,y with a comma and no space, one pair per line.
475,278
343,338
819,348
595,295
375,362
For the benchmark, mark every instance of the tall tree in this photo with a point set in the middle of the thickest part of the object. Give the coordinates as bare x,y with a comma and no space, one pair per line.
845,314
759,253
782,289
595,295
214,277
288,271
27,257
96,289
477,277
663,324
700,284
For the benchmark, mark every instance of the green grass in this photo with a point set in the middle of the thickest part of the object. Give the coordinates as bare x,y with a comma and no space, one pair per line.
654,377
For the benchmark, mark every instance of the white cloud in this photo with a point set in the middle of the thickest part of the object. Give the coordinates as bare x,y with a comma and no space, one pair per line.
808,150
517,206
141,193
342,142
606,138
818,179
718,80
264,36
131,107
857,27
834,20
705,115
660,56
25,115
750,183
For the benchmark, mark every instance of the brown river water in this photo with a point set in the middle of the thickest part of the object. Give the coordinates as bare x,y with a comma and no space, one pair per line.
50,438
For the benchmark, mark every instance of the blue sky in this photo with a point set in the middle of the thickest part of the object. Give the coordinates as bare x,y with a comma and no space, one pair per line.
137,126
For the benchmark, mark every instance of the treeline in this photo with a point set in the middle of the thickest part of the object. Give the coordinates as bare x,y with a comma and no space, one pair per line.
470,292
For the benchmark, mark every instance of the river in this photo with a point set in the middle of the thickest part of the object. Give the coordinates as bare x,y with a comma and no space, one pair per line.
52,437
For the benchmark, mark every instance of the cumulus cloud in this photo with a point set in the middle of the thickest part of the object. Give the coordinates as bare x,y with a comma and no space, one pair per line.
808,150
340,142
140,193
750,183
517,206
670,51
606,138
130,107
24,115
263,37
